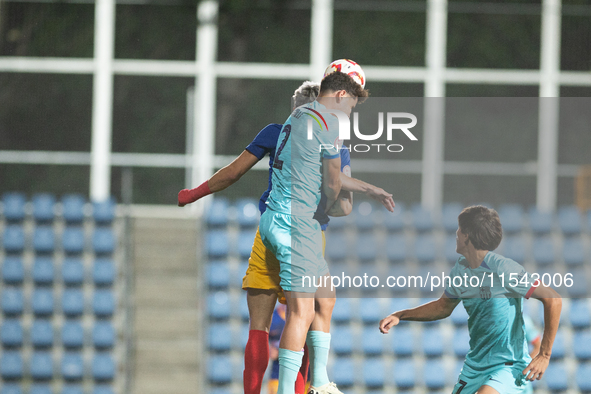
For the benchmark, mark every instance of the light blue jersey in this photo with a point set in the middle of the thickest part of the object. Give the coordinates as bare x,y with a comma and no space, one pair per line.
493,297
297,169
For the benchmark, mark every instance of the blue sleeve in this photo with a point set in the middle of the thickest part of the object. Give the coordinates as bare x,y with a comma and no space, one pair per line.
345,158
265,141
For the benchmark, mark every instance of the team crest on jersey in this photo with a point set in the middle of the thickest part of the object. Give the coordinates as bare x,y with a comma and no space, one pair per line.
485,293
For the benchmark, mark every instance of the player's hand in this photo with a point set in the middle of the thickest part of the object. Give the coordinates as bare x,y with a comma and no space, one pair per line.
388,322
535,370
383,197
185,197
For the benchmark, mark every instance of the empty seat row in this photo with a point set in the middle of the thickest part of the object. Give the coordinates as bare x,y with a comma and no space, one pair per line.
45,388
44,208
42,334
43,366
42,303
44,271
43,240
220,213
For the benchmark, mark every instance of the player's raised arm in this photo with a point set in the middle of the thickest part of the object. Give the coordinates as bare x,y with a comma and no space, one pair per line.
552,308
434,310
331,184
378,194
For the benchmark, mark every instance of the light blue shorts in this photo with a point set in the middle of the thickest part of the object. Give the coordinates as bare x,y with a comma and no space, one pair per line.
297,243
505,378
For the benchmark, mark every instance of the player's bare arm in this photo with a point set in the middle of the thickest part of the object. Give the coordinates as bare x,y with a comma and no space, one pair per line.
223,178
343,206
377,193
552,307
434,310
331,184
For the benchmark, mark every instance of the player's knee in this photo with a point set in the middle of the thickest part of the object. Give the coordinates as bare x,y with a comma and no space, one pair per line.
325,305
305,315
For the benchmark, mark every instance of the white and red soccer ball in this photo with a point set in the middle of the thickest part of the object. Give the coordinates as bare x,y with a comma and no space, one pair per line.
348,67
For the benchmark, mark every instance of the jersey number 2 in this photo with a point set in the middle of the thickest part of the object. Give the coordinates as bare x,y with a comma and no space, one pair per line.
279,163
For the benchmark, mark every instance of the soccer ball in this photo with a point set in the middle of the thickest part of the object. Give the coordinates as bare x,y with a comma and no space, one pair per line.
348,67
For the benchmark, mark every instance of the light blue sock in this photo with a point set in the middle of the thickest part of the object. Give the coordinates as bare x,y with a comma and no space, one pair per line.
289,366
318,346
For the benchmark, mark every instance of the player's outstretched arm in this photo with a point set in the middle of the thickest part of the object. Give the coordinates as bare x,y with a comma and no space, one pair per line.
552,308
343,206
434,310
225,177
331,184
377,193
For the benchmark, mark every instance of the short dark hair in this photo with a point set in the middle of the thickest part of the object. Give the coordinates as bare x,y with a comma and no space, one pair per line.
482,225
340,81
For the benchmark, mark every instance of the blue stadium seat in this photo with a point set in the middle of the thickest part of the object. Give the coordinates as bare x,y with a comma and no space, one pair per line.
451,255
422,219
373,373
73,302
42,334
10,388
248,212
396,248
582,345
237,274
243,340
103,367
103,272
404,374
42,302
342,310
403,341
364,216
394,221
543,250
13,206
103,241
73,271
556,377
372,341
44,240
103,303
434,374
11,333
41,366
72,366
341,340
573,251
244,244
461,342
218,305
72,389
217,274
242,311
336,246
73,240
103,212
343,372
366,247
41,389
72,335
219,369
570,220
73,208
540,222
559,347
217,213
370,310
13,239
12,301
580,314
102,389
580,287
219,337
217,244
43,272
432,342
13,271
512,218
43,207
514,248
11,365
449,216
583,377
425,250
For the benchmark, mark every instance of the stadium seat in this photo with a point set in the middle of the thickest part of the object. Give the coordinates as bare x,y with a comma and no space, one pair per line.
514,248
342,311
512,218
103,272
43,207
13,206
73,271
103,367
370,310
11,365
237,274
243,340
10,388
73,302
449,216
580,315
72,390
403,341
248,212
242,311
219,369
366,247
43,272
372,341
41,366
540,222
336,246
580,286
461,342
341,340
543,251
217,274
394,222
218,305
41,389
103,303
432,342
11,333
582,345
422,219
72,335
343,372
73,208
73,240
42,302
13,271
103,241
404,374
396,248
459,316
43,240
103,212
102,389
245,242
72,366
42,334
217,214
556,377
12,301
217,244
434,374
583,377
425,250
559,347
573,251
364,216
219,337
373,372
13,239
569,220
451,255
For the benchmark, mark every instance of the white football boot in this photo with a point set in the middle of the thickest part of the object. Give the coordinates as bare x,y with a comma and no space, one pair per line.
329,388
